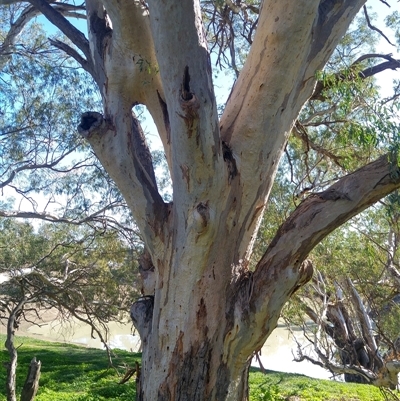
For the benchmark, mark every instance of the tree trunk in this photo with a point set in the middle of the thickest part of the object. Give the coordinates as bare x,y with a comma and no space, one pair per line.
11,370
31,384
12,325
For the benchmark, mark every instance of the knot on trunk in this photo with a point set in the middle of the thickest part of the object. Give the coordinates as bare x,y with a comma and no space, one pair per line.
142,315
201,215
91,122
306,272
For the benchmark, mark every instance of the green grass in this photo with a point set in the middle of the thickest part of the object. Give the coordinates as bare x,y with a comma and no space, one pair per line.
276,386
73,373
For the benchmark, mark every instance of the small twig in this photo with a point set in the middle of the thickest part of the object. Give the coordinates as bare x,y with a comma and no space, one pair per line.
373,27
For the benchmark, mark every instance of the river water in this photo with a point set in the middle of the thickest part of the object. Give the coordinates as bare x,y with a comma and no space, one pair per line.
277,353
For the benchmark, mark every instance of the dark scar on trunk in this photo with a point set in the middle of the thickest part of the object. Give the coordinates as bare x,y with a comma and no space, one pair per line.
230,161
185,88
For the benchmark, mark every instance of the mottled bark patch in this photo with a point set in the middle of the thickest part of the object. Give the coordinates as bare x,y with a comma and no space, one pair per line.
190,373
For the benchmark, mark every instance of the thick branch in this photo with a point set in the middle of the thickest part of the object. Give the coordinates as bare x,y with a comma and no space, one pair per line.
125,157
277,79
186,75
125,59
363,318
30,12
73,53
283,269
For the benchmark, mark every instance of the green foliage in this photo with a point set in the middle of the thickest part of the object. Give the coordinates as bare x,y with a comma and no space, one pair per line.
43,93
80,272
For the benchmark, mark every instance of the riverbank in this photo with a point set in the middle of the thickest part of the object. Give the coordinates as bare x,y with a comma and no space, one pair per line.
277,353
76,373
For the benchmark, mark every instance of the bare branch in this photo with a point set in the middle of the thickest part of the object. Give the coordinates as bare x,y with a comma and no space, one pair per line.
73,53
373,27
97,216
31,166
56,18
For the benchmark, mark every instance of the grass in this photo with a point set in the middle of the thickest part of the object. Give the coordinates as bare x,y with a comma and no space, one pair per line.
276,386
70,372
74,373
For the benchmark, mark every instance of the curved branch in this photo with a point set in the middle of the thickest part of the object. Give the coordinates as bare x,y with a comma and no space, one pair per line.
16,28
370,26
391,63
126,158
283,269
73,53
57,19
35,167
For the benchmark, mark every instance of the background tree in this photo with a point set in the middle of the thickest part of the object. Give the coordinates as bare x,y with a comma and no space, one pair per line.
207,312
352,302
89,278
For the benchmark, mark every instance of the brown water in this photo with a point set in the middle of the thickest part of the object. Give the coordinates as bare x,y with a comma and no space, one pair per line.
277,353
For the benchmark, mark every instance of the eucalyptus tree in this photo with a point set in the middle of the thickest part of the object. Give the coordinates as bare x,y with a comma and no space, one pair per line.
204,312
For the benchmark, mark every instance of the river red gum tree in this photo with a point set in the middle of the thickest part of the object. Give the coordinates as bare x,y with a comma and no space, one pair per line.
204,313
